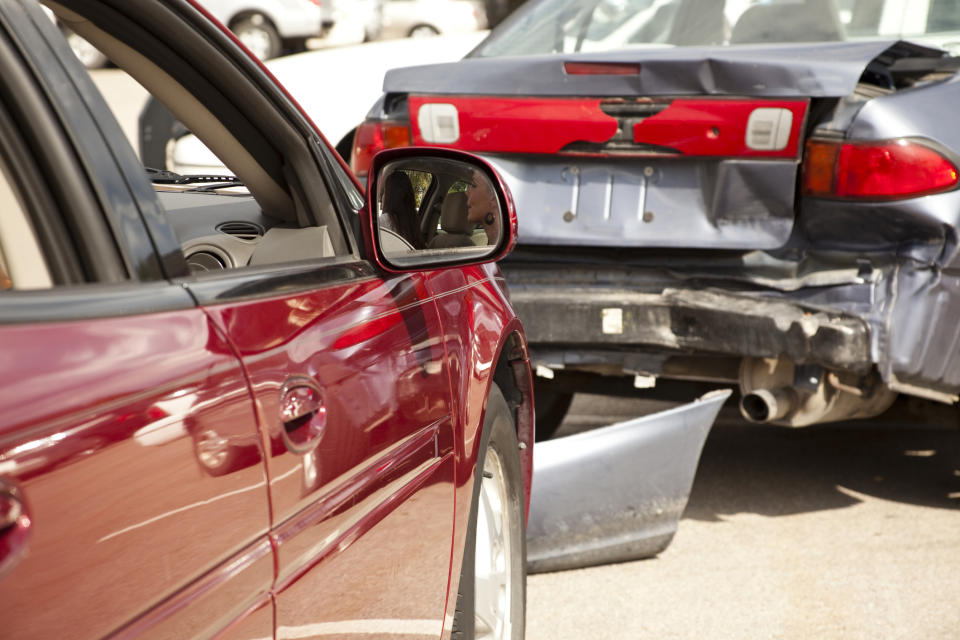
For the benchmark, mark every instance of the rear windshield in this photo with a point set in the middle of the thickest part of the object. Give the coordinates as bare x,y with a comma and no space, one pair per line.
568,26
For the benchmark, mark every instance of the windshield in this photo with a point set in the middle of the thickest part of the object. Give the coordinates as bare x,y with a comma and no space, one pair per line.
570,26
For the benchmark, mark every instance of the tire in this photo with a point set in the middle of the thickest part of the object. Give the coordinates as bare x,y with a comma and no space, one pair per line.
550,407
258,35
294,45
422,31
491,600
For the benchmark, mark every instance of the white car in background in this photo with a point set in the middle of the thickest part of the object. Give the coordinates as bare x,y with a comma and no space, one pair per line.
336,87
269,27
422,18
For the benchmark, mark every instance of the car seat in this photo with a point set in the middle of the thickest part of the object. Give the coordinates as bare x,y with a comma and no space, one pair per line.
399,208
455,228
814,21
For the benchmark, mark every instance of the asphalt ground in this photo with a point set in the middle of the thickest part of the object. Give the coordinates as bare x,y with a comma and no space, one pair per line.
835,531
845,531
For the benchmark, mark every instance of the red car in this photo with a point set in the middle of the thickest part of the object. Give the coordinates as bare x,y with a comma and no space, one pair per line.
247,406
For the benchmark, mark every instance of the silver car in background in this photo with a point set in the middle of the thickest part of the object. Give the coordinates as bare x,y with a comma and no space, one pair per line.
270,27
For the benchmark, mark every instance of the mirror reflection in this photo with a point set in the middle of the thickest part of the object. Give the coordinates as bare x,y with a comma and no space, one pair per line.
437,210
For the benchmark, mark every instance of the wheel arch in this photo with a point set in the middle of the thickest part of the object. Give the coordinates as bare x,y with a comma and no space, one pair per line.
514,376
421,25
510,371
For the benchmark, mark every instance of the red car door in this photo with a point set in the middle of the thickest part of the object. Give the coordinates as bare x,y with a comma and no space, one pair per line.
108,428
348,375
133,496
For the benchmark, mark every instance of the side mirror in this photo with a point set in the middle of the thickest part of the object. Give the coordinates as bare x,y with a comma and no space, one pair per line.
430,208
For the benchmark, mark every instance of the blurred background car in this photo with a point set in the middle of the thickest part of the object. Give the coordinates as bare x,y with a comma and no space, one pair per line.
309,77
425,18
762,194
270,28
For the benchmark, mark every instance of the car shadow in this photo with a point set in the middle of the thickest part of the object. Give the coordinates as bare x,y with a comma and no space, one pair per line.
774,471
909,455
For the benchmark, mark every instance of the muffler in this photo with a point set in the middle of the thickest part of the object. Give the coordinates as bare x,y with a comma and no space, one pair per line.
767,405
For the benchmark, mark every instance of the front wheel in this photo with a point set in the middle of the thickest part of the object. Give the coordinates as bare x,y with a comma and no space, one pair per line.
491,601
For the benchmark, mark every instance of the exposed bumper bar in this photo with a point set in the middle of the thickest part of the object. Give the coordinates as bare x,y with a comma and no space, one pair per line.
705,321
616,493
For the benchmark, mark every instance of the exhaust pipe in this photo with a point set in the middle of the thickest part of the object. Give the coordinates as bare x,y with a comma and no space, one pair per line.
796,395
767,405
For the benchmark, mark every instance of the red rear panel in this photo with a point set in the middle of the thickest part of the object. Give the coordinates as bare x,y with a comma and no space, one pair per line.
697,172
681,126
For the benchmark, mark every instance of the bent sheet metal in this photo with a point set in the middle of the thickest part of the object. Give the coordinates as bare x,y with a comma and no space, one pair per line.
616,493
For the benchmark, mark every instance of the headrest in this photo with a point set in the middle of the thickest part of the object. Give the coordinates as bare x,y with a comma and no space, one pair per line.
453,214
398,198
794,22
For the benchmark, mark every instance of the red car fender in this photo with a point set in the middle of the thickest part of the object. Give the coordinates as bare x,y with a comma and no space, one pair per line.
470,314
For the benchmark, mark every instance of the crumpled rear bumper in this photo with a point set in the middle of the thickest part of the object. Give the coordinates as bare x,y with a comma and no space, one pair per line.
892,316
708,321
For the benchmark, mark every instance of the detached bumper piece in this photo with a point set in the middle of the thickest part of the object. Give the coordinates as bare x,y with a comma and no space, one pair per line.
616,493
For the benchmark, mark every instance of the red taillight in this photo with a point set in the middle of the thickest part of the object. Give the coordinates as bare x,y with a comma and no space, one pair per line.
886,169
372,137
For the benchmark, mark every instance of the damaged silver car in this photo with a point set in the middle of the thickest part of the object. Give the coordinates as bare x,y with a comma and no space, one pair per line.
756,194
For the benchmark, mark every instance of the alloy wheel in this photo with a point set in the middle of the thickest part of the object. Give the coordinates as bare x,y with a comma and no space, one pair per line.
493,553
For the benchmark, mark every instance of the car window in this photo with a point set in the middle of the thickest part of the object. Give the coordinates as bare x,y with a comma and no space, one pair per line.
256,208
568,26
924,19
223,223
21,260
37,210
943,15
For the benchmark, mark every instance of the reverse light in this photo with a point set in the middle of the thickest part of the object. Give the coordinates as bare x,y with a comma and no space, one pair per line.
372,137
439,123
885,169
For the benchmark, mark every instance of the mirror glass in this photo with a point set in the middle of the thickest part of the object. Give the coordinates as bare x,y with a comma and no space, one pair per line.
432,210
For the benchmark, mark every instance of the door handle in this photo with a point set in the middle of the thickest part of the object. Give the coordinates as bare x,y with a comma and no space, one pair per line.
15,526
303,413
